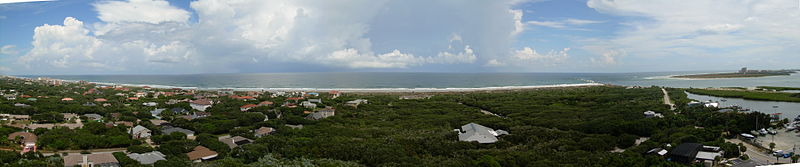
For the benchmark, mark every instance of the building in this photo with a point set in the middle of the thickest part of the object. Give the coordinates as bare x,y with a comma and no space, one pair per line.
308,104
158,122
479,133
170,129
685,152
265,103
324,113
94,117
247,107
200,154
157,112
147,158
264,131
652,114
178,110
315,100
235,141
413,97
150,104
140,132
201,104
26,139
356,102
91,160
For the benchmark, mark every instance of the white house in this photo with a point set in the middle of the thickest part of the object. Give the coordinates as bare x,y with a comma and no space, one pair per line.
201,104
140,132
475,132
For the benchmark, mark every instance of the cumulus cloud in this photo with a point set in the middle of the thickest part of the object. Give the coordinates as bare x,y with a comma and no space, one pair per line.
608,58
528,56
683,30
141,36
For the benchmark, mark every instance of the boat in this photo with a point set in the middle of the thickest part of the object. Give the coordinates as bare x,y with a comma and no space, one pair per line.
774,106
724,100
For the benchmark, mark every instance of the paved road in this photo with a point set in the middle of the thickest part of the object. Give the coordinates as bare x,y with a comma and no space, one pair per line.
757,155
667,100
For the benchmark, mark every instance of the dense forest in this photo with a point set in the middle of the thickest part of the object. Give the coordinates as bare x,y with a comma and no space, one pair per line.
588,126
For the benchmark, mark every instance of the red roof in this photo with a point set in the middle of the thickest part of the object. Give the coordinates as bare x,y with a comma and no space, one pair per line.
24,96
100,100
265,103
249,106
67,99
133,98
247,97
334,92
295,98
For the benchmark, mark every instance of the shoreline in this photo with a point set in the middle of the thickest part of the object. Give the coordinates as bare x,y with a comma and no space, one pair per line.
351,90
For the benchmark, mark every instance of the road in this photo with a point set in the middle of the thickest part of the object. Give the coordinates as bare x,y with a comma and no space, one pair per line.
667,100
757,155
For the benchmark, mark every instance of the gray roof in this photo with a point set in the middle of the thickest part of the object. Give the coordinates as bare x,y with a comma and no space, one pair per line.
479,133
178,110
157,111
93,116
138,129
169,129
321,114
147,158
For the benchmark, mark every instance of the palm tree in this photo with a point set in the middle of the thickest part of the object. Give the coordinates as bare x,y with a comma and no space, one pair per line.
742,148
771,147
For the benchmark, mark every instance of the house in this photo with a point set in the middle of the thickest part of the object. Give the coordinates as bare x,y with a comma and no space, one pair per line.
324,113
475,132
158,122
178,110
685,152
235,141
263,131
89,104
308,104
21,105
315,100
247,107
295,98
294,126
170,129
100,100
651,114
247,98
26,139
200,154
356,102
200,104
67,99
91,160
13,117
413,97
147,158
265,103
140,94
334,94
32,99
126,123
196,115
140,132
150,104
10,97
315,94
133,98
94,117
157,112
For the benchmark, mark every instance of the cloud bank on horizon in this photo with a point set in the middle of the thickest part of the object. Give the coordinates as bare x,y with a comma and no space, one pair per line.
213,36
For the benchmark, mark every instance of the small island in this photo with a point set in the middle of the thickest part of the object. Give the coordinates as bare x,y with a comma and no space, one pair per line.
743,73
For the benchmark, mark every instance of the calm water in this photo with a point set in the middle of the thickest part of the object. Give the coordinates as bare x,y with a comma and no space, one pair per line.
789,109
424,80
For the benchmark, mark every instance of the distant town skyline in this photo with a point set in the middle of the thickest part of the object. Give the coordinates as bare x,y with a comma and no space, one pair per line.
42,37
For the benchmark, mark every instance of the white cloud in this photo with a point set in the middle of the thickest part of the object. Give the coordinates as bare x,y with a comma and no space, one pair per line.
561,24
151,36
21,1
682,31
553,56
147,11
9,50
62,45
609,57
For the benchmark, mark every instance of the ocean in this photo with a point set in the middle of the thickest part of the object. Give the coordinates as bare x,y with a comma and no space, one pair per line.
396,80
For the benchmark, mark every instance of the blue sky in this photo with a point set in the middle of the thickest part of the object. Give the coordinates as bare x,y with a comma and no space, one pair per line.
218,36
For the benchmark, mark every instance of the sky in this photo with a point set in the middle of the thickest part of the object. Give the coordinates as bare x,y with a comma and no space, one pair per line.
71,37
